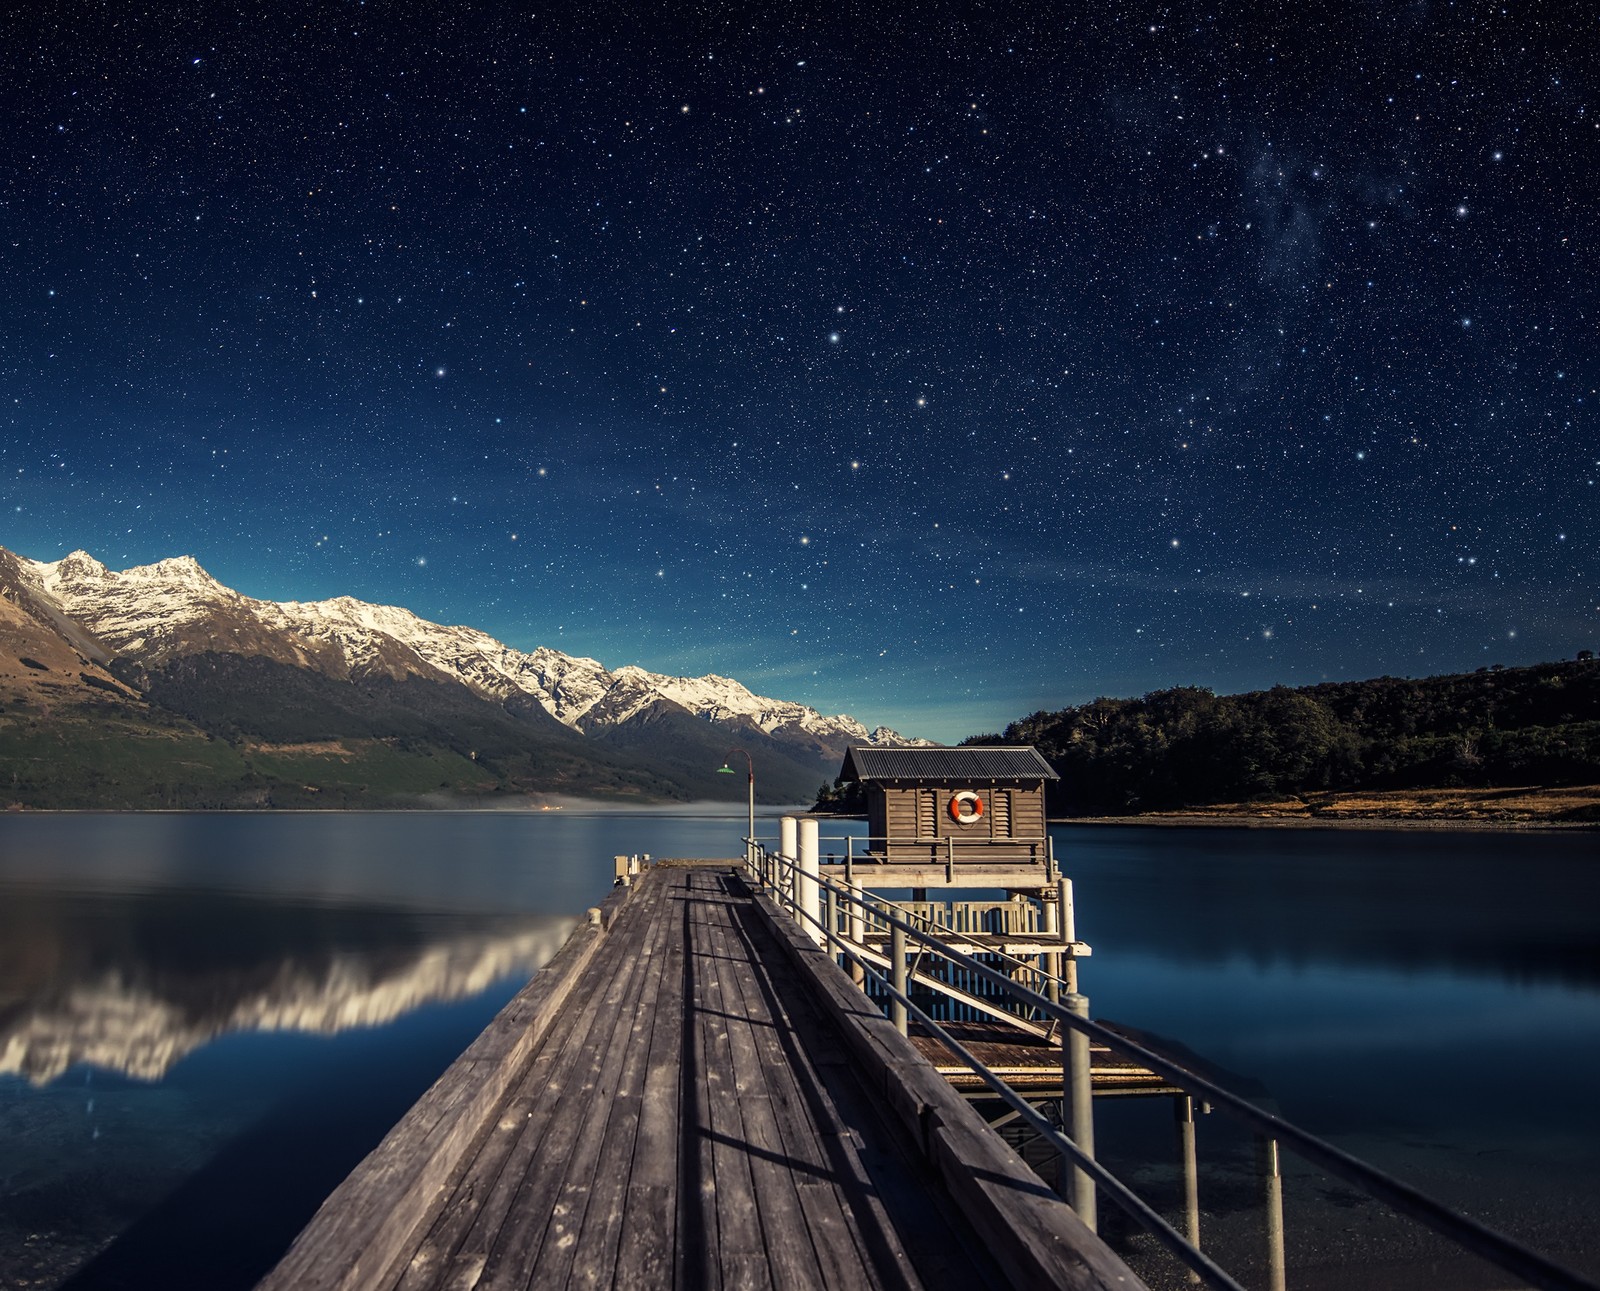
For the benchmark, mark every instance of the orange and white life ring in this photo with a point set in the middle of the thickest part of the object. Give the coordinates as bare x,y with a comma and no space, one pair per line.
966,807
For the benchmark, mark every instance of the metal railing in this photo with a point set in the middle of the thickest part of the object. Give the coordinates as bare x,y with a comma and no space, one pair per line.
832,913
887,852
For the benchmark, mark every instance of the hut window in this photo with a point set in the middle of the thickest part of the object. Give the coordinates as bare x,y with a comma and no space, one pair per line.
927,813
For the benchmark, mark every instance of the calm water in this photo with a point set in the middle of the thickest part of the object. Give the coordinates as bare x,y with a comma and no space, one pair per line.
205,1021
1427,1001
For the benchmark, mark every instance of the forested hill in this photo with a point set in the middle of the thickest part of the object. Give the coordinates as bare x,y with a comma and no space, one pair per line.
1187,747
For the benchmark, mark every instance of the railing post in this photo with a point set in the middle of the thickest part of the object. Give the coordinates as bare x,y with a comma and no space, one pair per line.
830,920
788,851
858,935
1077,1109
850,860
1050,900
1069,934
1184,1106
1276,1273
897,976
809,893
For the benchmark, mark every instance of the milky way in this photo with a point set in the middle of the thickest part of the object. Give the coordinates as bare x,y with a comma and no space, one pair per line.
934,365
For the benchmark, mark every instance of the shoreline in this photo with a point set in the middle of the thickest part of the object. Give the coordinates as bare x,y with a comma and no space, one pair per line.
1203,820
1510,809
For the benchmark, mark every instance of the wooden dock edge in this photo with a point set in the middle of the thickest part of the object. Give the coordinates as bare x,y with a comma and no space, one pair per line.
1037,1239
370,1221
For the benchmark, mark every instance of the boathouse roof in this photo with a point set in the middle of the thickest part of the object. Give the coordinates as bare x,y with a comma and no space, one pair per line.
976,763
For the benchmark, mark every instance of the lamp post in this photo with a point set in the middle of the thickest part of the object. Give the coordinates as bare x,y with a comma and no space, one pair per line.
725,769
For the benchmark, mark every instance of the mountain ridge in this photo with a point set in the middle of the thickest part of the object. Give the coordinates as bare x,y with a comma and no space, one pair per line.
250,672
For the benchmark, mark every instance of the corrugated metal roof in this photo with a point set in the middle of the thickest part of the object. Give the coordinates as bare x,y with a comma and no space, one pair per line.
977,763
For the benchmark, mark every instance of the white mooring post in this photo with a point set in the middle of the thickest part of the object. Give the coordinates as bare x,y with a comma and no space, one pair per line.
810,893
789,852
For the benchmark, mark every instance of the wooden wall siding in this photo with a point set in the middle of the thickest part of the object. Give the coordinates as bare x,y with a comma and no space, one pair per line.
905,812
1028,816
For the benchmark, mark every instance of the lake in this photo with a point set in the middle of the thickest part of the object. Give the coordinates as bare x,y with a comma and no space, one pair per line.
207,1020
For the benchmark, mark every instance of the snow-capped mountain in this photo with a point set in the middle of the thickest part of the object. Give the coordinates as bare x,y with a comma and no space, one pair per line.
153,615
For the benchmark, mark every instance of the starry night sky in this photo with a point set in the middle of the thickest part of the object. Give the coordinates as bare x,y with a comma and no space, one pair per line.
934,364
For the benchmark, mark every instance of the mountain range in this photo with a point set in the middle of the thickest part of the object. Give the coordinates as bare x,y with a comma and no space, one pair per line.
159,686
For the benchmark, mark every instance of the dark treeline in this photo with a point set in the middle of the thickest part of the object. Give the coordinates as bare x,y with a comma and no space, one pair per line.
1186,747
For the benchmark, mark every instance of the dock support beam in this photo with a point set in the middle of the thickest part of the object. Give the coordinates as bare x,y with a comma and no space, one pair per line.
1277,1277
1184,1106
1077,1111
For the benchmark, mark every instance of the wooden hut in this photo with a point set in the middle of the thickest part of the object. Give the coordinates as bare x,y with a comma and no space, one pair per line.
961,807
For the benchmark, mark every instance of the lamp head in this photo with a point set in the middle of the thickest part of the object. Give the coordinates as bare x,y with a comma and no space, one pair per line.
725,769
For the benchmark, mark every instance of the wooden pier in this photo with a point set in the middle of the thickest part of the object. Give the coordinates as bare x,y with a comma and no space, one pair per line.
691,1094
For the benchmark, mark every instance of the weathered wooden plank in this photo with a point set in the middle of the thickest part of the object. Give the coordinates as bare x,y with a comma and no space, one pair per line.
697,1260
585,1228
455,1249
891,1198
433,1262
494,1169
370,1219
784,1233
1035,1236
515,1242
728,1206
810,1151
647,1245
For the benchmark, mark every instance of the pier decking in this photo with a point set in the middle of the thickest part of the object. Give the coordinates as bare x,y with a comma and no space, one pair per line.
692,1095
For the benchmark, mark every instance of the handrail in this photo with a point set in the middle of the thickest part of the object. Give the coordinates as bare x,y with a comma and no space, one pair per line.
1480,1239
1191,1256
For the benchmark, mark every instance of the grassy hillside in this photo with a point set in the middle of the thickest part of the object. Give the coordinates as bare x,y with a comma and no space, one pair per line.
107,760
226,731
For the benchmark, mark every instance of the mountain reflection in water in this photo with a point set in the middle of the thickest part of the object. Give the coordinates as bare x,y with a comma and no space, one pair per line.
136,988
207,1021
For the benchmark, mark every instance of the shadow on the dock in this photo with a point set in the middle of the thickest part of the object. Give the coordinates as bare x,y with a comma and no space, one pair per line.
899,1184
692,1236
